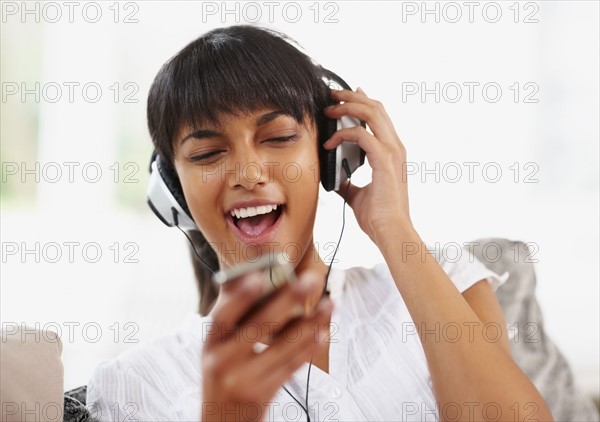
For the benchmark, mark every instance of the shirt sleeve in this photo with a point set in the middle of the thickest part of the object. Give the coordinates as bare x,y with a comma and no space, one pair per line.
116,392
464,269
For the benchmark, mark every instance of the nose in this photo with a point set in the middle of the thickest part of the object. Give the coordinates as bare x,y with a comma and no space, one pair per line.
247,171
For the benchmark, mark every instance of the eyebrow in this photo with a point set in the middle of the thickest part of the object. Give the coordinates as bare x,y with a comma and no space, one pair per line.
207,133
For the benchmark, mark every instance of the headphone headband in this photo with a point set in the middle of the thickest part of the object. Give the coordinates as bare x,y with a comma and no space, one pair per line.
335,77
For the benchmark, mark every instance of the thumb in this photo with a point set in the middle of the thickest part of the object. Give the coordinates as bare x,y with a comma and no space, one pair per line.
314,283
348,190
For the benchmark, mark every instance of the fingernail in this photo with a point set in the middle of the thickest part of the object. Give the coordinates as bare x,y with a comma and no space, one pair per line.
325,305
307,285
297,311
253,284
324,335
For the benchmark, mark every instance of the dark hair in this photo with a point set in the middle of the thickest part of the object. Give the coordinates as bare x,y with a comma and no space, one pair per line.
206,288
237,69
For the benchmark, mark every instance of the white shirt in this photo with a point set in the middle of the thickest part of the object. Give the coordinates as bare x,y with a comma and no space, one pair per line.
377,367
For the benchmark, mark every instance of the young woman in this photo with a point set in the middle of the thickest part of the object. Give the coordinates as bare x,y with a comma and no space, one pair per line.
227,115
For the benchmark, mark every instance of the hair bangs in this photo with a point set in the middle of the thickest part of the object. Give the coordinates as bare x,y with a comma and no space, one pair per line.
235,70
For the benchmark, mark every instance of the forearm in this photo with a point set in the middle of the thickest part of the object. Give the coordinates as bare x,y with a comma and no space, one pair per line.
467,369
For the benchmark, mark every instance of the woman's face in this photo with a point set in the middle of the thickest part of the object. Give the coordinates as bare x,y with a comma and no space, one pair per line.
247,165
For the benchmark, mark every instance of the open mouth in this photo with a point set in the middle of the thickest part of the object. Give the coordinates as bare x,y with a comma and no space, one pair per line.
256,221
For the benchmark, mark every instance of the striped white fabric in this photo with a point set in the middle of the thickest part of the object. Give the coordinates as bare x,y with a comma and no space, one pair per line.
377,367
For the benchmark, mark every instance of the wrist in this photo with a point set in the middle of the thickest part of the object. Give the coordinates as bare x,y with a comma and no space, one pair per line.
391,234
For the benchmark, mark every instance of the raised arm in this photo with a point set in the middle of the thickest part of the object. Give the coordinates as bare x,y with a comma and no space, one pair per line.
473,375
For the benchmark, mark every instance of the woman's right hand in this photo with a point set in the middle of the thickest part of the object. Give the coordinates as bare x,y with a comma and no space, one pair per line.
239,382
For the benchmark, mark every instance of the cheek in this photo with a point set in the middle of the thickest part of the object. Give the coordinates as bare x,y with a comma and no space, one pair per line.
305,167
301,178
202,194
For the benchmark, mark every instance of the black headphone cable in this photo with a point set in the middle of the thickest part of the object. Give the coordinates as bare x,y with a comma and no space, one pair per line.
346,168
348,174
202,261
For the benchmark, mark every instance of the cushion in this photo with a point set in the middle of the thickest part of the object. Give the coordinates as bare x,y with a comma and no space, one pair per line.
532,349
75,406
31,385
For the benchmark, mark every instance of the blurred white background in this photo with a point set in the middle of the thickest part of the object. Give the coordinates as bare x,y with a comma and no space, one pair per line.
543,56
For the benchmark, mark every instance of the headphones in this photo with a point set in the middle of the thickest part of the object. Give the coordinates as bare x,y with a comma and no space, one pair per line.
166,199
165,195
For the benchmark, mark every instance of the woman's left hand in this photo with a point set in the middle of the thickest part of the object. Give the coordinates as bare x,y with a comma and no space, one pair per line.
384,201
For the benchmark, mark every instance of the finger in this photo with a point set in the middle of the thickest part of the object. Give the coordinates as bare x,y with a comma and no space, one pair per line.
284,371
274,362
238,300
286,304
249,376
373,114
349,191
377,153
369,143
348,95
278,309
285,353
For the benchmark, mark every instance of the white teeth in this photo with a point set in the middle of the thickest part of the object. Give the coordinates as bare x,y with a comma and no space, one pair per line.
252,211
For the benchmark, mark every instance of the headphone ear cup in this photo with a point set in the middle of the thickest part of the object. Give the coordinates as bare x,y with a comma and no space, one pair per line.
171,180
327,157
165,196
347,156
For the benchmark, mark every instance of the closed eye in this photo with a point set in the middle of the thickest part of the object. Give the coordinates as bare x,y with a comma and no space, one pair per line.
283,138
204,157
207,156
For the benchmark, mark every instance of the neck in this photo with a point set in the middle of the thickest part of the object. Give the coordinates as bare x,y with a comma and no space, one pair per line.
311,261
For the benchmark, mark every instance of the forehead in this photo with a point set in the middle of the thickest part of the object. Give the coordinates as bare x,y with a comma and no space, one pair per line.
253,119
257,116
